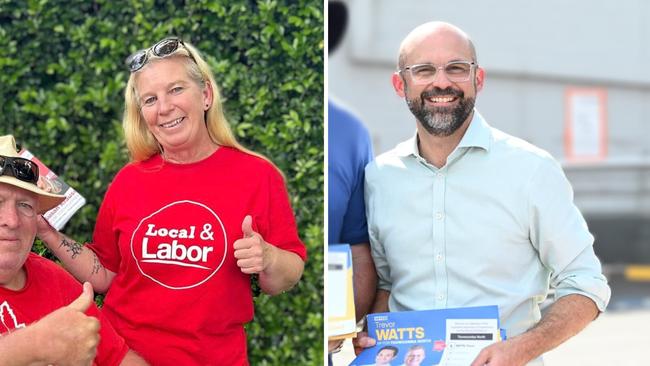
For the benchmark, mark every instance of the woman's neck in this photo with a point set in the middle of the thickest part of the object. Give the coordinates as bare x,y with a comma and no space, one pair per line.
187,156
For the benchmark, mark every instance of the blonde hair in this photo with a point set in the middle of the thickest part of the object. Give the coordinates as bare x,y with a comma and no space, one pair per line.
141,142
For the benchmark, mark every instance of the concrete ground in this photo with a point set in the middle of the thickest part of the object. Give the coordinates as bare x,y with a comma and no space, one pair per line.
620,338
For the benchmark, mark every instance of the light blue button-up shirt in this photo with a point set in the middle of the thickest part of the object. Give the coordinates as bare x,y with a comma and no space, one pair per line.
495,225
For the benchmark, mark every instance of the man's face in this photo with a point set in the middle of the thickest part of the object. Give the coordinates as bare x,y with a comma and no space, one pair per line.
384,357
442,105
414,357
440,120
18,215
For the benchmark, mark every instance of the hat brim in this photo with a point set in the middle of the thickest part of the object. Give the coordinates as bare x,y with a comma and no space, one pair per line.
336,23
46,200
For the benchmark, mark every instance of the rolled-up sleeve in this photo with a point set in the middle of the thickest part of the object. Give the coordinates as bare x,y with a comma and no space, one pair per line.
559,233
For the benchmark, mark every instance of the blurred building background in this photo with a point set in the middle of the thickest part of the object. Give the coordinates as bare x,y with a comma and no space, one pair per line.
572,77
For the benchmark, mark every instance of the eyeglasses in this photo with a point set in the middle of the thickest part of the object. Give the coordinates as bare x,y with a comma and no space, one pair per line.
456,71
23,169
163,48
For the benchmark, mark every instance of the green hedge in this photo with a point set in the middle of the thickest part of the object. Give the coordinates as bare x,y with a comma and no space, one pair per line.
62,80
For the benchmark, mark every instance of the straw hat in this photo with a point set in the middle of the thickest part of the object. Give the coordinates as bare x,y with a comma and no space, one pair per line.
46,200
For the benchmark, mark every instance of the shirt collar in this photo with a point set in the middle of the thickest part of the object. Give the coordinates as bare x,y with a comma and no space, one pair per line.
477,135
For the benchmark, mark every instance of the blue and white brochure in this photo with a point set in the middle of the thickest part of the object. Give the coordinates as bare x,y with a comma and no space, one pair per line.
450,337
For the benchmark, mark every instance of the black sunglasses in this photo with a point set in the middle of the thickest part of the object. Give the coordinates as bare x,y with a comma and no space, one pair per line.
162,48
23,169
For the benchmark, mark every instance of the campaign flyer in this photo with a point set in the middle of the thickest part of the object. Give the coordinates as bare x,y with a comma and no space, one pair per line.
61,214
341,322
450,337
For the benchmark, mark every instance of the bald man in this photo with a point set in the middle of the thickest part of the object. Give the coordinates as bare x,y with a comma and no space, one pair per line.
462,214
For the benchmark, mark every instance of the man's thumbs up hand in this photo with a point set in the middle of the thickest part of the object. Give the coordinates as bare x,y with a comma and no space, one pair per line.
70,335
84,300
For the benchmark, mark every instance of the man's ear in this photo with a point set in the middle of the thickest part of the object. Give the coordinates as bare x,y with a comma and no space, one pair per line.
398,84
479,78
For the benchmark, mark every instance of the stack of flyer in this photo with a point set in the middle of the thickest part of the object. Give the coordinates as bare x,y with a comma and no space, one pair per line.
341,322
450,337
61,214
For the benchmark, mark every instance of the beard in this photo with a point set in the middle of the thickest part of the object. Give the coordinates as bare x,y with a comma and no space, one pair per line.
441,121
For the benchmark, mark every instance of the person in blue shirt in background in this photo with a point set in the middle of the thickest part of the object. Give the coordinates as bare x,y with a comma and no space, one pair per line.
349,150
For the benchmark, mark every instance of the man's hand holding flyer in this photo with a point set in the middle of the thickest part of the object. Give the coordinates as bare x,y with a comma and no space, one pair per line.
48,181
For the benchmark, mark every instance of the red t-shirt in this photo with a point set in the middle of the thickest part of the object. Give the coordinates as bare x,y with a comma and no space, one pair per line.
167,231
49,287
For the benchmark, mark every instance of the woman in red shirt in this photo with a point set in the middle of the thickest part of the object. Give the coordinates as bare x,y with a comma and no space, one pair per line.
186,222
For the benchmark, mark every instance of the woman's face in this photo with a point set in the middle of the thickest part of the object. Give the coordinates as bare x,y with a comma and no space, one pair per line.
173,105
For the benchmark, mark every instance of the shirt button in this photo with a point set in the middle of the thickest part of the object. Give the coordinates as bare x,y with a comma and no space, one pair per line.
441,297
440,175
439,215
438,257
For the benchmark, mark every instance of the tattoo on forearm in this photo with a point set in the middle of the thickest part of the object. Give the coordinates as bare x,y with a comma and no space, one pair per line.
72,247
96,265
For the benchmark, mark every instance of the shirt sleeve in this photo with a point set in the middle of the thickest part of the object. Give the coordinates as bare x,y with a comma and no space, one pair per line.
560,235
280,227
355,228
376,246
105,238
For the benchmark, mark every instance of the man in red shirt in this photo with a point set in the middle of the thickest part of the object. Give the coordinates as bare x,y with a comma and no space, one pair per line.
43,317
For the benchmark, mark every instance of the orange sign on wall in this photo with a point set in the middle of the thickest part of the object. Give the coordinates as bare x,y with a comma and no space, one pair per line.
585,129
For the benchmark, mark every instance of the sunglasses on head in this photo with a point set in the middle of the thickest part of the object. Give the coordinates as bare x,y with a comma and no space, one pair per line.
162,48
19,168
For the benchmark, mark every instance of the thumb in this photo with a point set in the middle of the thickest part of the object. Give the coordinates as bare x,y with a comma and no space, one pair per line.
361,342
247,226
366,342
84,300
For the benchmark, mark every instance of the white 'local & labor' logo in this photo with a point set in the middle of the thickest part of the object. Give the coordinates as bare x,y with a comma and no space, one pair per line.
180,246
